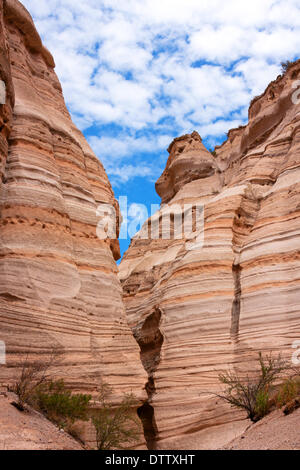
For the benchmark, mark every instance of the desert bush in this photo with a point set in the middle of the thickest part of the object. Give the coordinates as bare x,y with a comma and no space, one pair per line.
262,404
59,404
115,426
288,391
252,394
33,375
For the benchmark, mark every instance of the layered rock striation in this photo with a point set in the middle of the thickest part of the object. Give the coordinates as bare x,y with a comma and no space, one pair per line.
197,302
213,298
58,280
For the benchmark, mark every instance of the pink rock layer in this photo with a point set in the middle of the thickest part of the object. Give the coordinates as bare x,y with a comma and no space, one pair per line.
197,312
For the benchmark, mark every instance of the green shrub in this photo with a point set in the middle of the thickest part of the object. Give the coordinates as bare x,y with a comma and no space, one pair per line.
33,375
115,426
60,405
262,404
252,394
288,391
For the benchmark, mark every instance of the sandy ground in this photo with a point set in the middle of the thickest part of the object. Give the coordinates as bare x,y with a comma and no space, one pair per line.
30,430
275,432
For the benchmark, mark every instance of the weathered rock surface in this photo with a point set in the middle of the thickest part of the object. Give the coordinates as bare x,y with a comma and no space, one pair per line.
58,280
198,310
5,109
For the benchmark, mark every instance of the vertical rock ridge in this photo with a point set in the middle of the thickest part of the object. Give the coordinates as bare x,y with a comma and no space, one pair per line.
5,109
243,223
236,305
150,340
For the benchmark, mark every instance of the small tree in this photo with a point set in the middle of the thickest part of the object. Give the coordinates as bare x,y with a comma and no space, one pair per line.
60,405
252,394
33,375
115,426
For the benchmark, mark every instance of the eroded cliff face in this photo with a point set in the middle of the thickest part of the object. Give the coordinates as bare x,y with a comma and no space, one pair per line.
58,281
220,303
5,109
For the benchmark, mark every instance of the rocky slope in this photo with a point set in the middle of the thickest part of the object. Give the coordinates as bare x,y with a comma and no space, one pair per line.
30,430
58,280
197,310
275,432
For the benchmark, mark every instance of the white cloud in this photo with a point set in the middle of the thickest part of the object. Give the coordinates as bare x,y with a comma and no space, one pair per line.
123,173
256,72
123,146
158,68
116,154
221,44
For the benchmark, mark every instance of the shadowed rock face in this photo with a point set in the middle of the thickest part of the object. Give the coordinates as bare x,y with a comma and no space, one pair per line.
58,281
240,293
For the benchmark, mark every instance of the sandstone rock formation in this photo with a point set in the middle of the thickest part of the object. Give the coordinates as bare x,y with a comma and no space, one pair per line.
58,280
194,310
197,310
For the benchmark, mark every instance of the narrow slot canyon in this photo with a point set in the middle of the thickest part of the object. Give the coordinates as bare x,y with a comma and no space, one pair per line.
150,340
236,304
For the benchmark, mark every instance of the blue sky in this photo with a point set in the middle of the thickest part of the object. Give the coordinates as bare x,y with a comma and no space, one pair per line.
137,73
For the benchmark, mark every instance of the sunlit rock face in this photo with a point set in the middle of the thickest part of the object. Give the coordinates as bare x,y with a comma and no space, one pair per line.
58,280
189,160
198,310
